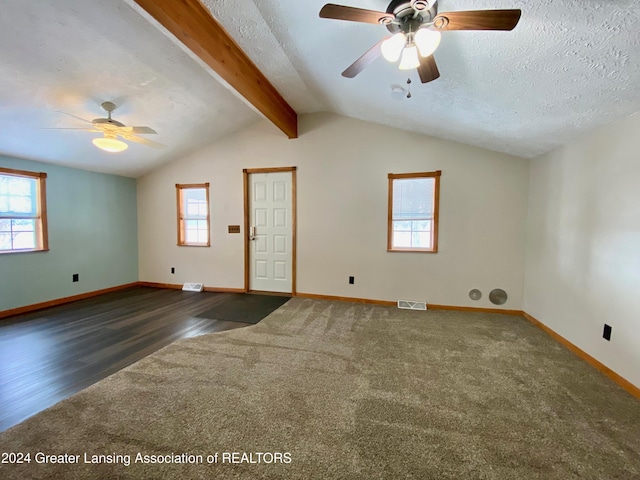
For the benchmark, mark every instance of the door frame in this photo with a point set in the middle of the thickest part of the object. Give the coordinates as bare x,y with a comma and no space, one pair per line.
245,180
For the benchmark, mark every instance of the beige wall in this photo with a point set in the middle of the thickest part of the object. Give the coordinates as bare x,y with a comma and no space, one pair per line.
342,213
583,244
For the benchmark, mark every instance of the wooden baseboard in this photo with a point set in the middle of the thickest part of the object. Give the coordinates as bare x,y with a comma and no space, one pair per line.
173,286
388,303
177,286
62,301
624,383
224,290
74,298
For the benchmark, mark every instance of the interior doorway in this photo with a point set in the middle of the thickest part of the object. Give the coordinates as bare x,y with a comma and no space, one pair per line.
270,229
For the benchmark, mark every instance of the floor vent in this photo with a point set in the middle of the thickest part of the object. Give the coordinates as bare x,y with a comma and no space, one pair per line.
192,287
408,305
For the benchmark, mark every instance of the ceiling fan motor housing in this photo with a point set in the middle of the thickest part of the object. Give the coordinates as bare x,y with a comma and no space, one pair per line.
108,107
108,121
410,15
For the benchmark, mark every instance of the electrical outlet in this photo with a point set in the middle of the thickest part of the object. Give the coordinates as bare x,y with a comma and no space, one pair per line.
173,270
352,280
76,277
607,332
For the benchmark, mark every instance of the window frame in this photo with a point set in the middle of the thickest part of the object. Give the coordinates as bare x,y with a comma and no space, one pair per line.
181,218
42,231
436,211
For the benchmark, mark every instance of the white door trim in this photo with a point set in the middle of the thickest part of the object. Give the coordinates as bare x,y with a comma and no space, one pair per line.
246,172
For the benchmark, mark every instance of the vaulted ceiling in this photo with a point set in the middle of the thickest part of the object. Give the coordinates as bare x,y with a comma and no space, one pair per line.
567,68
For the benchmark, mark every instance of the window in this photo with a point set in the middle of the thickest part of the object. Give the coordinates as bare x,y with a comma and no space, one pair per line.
23,211
413,212
193,214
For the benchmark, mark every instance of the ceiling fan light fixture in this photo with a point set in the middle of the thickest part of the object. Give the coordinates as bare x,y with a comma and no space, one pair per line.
427,41
392,47
410,58
109,143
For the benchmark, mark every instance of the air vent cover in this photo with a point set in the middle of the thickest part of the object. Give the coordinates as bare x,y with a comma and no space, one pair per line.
192,287
475,294
498,296
410,305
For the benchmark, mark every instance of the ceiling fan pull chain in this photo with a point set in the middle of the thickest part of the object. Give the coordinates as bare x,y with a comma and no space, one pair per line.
409,87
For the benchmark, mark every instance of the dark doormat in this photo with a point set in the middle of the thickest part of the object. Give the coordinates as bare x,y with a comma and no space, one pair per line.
244,307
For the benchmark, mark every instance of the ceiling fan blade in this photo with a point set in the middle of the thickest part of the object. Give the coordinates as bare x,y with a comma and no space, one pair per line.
144,141
364,61
137,130
341,12
75,116
478,20
143,130
64,128
428,70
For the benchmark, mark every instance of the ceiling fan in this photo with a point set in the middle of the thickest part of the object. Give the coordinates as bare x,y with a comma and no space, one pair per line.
111,129
416,27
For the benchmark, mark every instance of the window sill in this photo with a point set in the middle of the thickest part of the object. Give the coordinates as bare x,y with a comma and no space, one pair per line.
194,244
35,250
411,250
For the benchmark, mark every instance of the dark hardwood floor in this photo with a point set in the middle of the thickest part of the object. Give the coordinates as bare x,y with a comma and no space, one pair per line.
51,354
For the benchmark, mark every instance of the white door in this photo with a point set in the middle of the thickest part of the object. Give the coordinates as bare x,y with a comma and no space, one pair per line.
270,232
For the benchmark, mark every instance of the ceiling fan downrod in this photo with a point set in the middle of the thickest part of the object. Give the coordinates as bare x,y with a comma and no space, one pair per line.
108,107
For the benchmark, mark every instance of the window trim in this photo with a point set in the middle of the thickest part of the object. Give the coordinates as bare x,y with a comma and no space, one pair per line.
436,211
181,231
42,237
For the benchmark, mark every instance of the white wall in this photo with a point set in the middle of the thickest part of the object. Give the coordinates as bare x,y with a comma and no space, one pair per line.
583,244
342,213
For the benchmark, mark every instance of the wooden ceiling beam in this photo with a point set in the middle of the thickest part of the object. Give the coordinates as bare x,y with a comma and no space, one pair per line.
192,23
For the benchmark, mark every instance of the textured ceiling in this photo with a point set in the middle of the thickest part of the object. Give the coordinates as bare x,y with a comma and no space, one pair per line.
568,67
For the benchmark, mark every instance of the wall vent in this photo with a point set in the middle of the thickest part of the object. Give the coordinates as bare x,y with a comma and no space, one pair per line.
409,305
192,287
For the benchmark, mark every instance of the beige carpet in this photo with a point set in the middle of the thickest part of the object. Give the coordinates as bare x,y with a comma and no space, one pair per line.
348,391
